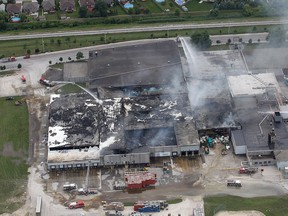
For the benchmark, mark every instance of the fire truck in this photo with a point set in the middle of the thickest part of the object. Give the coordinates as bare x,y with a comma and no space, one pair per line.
248,170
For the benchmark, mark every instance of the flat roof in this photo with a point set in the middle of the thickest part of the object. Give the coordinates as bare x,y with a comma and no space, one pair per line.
251,84
144,64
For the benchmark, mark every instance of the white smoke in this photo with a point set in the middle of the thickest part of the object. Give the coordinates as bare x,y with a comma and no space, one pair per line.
200,86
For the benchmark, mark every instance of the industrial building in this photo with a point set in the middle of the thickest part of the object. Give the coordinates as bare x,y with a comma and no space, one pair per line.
156,100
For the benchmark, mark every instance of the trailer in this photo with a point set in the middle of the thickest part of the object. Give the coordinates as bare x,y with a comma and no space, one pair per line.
83,191
235,183
69,187
38,206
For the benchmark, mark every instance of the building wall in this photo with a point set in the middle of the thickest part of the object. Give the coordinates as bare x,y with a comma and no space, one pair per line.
282,164
121,159
73,164
238,149
263,162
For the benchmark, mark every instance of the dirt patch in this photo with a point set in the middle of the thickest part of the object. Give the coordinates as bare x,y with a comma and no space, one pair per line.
8,151
240,213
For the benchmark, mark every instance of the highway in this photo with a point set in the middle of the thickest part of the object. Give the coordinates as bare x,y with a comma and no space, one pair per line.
143,29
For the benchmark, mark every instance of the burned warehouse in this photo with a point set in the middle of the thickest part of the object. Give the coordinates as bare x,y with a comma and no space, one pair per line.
155,100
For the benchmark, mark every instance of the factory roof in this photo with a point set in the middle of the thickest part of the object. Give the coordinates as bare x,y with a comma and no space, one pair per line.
156,63
251,84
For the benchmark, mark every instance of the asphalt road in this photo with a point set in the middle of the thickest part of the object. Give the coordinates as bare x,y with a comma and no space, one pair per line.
143,29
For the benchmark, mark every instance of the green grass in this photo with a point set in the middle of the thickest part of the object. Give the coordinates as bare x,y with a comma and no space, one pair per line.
120,10
193,5
52,16
270,206
174,201
58,66
149,4
69,88
13,172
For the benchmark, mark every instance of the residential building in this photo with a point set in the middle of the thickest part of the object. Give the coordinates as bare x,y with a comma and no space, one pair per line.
48,6
13,9
30,7
67,5
89,4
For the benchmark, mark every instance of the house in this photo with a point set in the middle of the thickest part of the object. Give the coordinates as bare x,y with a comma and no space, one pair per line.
13,9
2,7
89,4
48,6
30,7
67,5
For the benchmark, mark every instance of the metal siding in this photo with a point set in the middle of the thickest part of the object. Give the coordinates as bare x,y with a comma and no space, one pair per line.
240,150
189,148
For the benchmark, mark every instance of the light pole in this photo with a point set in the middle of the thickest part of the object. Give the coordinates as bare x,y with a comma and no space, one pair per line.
42,45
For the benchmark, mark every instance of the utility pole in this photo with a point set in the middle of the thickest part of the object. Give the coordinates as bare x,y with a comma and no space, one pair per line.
42,45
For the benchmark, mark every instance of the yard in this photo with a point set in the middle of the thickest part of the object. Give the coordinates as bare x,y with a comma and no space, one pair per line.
194,5
14,144
270,206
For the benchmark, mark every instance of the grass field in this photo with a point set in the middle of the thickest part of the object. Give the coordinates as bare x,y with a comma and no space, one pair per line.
270,206
14,144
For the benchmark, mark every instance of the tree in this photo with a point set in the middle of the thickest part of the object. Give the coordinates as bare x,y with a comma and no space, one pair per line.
101,9
250,41
23,17
19,66
69,58
79,55
201,40
28,51
146,11
59,42
37,50
247,10
40,2
177,12
214,12
50,62
4,16
60,59
83,12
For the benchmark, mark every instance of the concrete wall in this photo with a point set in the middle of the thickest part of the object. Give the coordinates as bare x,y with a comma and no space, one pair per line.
73,164
239,148
75,72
